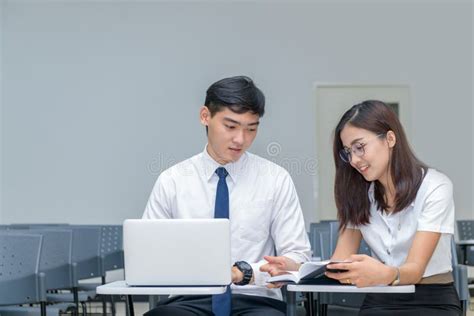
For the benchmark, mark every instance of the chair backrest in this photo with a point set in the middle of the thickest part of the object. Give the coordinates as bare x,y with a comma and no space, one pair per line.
56,256
111,247
334,235
95,248
324,245
465,229
86,251
330,241
19,268
460,275
36,225
319,236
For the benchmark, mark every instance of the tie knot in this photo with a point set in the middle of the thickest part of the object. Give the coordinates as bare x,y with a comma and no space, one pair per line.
221,172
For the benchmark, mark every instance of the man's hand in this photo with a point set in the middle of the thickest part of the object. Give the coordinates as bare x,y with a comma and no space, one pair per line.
237,275
277,266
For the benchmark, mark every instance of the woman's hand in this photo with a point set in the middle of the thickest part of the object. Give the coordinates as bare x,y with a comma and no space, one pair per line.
362,271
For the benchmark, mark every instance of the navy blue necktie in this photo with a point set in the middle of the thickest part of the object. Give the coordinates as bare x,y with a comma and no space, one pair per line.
221,303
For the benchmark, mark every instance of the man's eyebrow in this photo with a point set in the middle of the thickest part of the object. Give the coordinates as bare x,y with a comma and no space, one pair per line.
238,123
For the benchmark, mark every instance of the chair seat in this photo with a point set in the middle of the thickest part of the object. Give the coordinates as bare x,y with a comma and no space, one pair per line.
56,309
68,297
88,286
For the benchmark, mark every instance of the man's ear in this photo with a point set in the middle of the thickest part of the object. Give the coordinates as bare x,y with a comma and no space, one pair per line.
204,115
391,139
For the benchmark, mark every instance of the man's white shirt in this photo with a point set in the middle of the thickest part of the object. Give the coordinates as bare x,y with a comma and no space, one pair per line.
264,209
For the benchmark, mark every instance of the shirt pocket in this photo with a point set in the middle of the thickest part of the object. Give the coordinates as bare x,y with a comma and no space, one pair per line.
256,220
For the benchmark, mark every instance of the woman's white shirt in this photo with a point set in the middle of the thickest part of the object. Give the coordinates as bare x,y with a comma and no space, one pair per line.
390,236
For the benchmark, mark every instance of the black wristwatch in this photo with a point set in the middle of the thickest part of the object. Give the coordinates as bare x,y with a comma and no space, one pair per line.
246,269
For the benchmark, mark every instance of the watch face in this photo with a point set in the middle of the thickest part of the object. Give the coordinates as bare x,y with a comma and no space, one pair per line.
244,265
246,269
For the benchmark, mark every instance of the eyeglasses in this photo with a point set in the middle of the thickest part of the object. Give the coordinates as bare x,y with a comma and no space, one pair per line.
357,149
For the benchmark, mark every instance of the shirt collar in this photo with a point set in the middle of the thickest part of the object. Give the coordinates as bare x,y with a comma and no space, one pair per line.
234,168
371,193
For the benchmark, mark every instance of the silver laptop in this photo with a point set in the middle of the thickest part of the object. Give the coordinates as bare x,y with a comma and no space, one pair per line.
177,252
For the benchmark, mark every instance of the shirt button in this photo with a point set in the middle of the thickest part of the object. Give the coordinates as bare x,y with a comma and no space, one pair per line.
388,251
389,230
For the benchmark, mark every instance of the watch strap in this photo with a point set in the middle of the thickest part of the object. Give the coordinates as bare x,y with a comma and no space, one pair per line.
247,271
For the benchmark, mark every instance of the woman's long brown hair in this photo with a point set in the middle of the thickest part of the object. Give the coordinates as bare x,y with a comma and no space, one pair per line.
350,188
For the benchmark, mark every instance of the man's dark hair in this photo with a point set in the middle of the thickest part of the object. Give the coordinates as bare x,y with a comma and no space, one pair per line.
239,94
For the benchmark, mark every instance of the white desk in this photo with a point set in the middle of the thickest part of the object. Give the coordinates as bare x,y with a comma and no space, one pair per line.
351,289
467,242
292,289
121,288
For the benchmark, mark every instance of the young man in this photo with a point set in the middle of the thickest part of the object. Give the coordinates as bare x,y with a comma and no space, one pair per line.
256,195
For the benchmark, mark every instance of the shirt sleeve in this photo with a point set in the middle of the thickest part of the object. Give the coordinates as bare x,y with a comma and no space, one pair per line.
287,226
437,214
161,197
260,278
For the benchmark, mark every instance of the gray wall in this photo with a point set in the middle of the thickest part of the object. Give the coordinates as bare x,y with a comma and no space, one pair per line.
98,97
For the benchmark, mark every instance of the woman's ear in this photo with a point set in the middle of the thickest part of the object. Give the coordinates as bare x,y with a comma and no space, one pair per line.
391,139
204,115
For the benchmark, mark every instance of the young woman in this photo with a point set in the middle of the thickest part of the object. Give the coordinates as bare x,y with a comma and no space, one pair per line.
403,210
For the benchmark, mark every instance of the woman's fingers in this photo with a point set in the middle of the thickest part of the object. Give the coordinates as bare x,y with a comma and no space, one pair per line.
339,266
339,275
